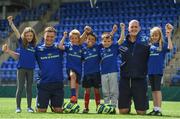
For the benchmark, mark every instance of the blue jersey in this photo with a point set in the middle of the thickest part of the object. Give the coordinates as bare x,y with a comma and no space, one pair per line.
109,58
74,58
26,57
50,61
91,58
156,59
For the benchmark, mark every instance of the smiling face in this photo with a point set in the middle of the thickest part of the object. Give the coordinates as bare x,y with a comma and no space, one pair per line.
29,36
155,34
91,40
74,39
106,40
49,38
134,28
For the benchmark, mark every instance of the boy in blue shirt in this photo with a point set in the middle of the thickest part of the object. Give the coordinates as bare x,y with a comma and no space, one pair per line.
109,68
74,60
158,50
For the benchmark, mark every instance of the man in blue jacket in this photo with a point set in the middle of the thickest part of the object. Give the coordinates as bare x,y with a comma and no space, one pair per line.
133,83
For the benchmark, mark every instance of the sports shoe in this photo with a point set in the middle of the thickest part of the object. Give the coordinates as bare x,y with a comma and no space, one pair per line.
85,111
155,113
30,110
18,110
73,99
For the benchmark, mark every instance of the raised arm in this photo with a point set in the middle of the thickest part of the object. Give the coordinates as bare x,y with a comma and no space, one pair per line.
114,30
121,39
169,29
61,43
10,20
87,30
13,54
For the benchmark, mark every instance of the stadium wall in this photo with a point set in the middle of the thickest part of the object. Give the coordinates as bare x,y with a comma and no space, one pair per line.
169,93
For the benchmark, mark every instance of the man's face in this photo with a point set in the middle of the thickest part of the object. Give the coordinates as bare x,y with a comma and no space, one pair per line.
133,28
49,38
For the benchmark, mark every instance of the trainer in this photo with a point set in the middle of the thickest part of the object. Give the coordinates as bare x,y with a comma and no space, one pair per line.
133,84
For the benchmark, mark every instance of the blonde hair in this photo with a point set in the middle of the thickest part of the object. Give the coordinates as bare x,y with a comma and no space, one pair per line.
157,29
106,35
74,32
25,42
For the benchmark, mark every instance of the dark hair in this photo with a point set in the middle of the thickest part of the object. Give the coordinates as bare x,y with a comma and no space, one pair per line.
92,34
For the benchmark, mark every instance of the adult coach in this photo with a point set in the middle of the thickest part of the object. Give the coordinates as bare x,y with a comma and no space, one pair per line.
133,83
50,86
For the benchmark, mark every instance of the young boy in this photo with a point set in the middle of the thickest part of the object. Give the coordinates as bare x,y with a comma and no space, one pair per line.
74,60
109,68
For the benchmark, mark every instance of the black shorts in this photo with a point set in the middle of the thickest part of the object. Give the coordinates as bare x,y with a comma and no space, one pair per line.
135,89
78,76
50,93
92,80
155,82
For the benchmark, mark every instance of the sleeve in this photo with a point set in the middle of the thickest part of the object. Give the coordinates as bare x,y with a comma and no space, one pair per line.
66,46
165,47
20,42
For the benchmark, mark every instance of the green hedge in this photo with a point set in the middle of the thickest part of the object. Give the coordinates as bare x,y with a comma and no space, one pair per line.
169,93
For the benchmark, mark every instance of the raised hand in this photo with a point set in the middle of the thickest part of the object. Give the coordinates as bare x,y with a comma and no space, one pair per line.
87,29
122,25
169,29
5,48
115,28
65,34
10,19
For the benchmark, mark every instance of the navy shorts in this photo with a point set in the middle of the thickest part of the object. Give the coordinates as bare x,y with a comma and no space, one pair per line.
78,76
92,80
155,82
135,89
50,93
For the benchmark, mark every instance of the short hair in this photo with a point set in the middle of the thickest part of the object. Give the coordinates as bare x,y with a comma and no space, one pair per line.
106,35
74,32
92,34
50,29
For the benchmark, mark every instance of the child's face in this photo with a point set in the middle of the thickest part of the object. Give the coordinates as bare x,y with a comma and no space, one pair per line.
29,36
107,42
74,39
155,36
91,40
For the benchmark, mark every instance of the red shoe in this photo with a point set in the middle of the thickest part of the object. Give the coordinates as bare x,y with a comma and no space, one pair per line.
73,99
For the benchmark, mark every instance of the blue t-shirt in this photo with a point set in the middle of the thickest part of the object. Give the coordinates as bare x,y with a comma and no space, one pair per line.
156,59
91,58
74,58
50,61
109,58
26,57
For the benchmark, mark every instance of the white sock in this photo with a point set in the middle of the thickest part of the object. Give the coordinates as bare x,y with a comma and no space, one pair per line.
157,109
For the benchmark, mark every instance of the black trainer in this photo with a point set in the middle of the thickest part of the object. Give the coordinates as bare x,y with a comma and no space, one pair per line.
85,111
155,113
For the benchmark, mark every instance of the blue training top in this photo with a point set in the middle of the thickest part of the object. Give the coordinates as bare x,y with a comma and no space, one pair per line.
74,58
109,58
156,59
27,57
50,61
91,58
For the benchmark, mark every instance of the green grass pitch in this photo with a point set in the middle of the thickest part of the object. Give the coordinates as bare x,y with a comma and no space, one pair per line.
171,110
